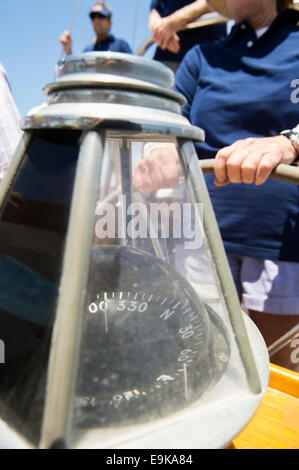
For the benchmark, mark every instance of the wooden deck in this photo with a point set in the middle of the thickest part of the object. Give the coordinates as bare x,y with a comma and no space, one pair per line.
276,423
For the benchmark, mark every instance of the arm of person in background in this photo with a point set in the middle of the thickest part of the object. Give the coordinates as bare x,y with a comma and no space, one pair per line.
164,29
252,160
162,35
66,42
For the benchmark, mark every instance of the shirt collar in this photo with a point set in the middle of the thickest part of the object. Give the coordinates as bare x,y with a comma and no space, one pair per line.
284,17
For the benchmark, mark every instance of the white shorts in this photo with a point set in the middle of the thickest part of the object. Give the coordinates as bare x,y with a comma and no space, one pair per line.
265,285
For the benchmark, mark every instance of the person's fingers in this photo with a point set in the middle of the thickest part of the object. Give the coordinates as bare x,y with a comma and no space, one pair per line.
242,161
155,175
173,46
252,160
65,36
265,167
142,180
157,170
236,163
170,174
220,165
168,38
249,166
222,183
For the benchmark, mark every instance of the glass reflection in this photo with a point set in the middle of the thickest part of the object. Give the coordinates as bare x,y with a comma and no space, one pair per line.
150,344
32,235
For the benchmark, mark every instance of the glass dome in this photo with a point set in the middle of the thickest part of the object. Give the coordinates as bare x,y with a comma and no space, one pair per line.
120,319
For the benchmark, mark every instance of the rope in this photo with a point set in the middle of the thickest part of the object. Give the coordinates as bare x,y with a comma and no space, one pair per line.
135,25
74,15
75,12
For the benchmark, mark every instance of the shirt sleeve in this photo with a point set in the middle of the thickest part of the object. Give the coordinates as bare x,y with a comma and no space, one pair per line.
126,48
10,130
187,78
154,5
88,48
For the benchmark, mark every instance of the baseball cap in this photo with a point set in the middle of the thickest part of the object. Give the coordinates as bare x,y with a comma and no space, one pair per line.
101,10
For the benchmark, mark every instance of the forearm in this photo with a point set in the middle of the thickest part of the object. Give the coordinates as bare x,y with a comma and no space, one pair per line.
154,20
162,33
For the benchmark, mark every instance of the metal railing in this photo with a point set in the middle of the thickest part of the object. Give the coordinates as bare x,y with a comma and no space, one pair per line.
283,172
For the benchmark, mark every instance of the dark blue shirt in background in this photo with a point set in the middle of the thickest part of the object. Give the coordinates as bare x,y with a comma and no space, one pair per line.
237,88
110,44
166,7
188,38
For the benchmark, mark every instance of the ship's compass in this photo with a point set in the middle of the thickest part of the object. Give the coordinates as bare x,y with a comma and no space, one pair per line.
150,345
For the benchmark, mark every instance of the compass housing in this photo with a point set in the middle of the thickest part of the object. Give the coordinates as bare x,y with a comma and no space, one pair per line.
121,323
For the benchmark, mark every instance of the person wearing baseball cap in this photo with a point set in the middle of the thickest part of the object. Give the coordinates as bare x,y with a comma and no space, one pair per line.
101,18
100,9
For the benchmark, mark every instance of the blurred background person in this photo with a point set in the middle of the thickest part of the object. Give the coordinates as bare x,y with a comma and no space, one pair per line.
101,18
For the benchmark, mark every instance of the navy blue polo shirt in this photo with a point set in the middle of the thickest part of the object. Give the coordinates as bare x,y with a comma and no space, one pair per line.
188,38
237,88
166,7
110,44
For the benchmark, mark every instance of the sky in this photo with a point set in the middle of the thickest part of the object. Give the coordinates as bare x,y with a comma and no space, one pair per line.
29,38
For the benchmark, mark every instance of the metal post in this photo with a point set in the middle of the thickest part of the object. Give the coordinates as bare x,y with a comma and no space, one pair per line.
67,327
